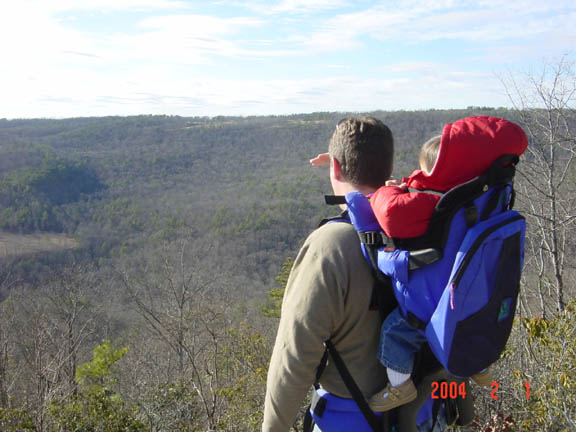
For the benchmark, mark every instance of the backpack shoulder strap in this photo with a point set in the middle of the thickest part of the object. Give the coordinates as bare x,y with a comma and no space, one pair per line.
335,199
428,191
342,217
377,424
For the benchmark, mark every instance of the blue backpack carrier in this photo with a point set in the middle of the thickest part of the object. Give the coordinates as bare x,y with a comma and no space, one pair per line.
458,283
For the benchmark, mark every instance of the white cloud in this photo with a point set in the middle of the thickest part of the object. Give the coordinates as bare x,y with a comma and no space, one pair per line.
152,91
306,6
183,39
31,40
41,41
411,21
198,25
58,6
414,67
292,7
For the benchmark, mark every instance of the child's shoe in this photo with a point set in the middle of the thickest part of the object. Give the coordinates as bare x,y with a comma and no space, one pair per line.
391,397
483,378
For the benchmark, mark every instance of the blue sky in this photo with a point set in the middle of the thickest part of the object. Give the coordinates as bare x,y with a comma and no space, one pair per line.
70,58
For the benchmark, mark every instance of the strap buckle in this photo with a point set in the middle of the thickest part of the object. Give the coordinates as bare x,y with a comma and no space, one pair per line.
373,238
471,215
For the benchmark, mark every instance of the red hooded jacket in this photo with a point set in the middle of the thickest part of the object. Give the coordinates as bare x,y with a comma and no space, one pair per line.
467,149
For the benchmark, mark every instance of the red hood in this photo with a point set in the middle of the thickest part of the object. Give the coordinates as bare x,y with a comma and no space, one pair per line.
467,149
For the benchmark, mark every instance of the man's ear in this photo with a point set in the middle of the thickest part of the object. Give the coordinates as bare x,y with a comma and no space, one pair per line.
337,170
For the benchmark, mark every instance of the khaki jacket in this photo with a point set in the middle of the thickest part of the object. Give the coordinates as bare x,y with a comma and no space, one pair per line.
327,297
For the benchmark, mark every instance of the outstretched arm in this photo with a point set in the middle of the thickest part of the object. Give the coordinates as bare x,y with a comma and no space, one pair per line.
321,160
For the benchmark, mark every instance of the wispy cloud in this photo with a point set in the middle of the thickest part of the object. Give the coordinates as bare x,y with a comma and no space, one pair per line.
290,7
198,25
101,96
414,67
186,39
108,5
183,39
81,54
418,21
306,6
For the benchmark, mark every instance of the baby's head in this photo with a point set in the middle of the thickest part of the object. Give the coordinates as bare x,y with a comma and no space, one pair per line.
429,154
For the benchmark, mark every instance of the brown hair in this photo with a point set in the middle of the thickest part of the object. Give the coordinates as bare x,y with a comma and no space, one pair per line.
429,153
364,147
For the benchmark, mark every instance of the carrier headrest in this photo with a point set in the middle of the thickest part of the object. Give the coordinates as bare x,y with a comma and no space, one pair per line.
468,148
501,171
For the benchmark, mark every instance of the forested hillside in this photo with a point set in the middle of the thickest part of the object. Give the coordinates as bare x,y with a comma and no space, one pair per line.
116,183
154,321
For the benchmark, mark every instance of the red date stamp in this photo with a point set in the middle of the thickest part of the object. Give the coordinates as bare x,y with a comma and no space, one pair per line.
453,390
448,390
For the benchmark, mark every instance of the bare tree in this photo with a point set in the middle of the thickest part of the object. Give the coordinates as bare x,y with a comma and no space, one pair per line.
51,323
71,309
7,314
6,344
178,294
545,105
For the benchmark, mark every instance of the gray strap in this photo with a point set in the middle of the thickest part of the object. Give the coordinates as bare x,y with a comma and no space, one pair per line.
428,191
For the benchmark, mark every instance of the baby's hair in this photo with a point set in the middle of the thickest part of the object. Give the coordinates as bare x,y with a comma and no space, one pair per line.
429,154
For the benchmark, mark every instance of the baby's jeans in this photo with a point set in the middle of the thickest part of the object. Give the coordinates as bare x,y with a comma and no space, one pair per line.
398,342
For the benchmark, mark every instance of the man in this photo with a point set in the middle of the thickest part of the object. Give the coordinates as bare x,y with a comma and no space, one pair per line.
329,290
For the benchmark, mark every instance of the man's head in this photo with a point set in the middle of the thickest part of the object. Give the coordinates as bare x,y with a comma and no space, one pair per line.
361,151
